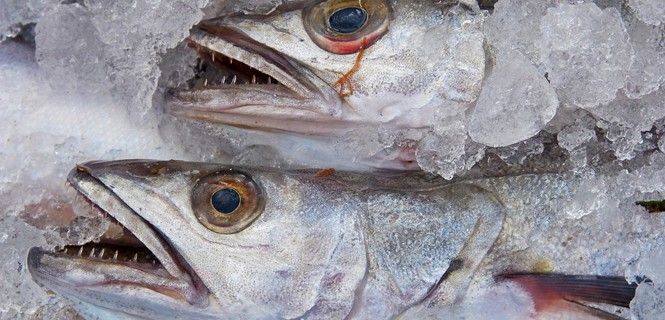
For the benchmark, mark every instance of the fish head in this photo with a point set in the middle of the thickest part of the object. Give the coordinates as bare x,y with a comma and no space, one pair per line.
212,240
273,255
327,67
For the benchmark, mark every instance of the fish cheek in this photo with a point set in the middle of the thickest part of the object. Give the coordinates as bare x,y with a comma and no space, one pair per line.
227,202
346,26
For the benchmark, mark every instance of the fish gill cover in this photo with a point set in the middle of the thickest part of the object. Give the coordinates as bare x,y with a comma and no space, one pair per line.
523,87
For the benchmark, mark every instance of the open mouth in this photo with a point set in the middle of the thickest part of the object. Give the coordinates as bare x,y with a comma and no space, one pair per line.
215,70
129,253
228,59
241,82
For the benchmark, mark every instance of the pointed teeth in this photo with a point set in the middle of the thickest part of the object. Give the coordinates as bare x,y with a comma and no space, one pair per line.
135,258
115,255
234,79
80,254
101,253
92,253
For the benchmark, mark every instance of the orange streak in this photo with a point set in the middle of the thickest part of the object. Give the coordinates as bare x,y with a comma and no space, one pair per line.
325,172
345,84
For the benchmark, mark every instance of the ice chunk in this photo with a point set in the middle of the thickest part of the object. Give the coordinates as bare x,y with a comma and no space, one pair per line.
16,13
624,120
649,301
446,150
575,137
45,132
576,134
121,43
649,11
648,70
586,52
511,26
515,103
71,52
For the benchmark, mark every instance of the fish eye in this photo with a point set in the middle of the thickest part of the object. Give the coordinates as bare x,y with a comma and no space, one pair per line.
346,26
227,202
347,20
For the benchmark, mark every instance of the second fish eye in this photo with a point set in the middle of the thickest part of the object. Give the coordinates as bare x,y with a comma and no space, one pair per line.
347,20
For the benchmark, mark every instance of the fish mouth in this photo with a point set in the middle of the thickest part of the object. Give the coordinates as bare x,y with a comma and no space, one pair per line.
131,254
241,82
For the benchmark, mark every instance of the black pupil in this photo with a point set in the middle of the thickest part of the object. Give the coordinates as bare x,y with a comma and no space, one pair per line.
347,20
225,200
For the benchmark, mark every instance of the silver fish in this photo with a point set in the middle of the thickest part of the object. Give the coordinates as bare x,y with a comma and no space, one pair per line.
296,244
297,71
204,241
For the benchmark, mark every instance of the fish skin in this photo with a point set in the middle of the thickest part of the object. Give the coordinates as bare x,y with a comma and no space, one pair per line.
344,245
429,64
356,245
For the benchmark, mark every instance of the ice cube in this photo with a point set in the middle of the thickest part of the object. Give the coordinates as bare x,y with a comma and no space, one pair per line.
649,11
515,103
586,52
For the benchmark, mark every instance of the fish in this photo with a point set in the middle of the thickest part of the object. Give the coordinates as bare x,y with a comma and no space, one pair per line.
214,241
328,70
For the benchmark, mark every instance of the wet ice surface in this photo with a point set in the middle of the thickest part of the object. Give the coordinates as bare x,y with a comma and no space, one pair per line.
599,66
44,133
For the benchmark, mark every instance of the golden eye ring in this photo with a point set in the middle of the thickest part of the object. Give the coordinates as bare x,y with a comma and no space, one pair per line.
227,202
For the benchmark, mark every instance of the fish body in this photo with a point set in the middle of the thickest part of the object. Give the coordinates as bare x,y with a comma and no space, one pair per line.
217,241
298,245
408,66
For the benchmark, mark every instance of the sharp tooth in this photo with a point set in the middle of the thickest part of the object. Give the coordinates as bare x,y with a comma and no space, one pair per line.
234,79
269,80
154,261
101,253
213,56
224,79
92,253
80,251
253,79
230,61
135,257
66,249
115,255
205,82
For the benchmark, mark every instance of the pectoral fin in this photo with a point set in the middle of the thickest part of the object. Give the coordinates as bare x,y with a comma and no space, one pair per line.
550,290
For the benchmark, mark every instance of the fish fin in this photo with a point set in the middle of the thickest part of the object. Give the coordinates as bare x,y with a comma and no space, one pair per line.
546,288
594,312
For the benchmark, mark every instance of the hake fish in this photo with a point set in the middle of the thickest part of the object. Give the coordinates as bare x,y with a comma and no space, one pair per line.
210,241
323,69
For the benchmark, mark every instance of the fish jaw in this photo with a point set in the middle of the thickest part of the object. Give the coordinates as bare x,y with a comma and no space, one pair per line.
117,277
298,96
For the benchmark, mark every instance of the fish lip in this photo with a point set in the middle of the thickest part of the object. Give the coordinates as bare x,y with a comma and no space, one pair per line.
178,280
300,95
